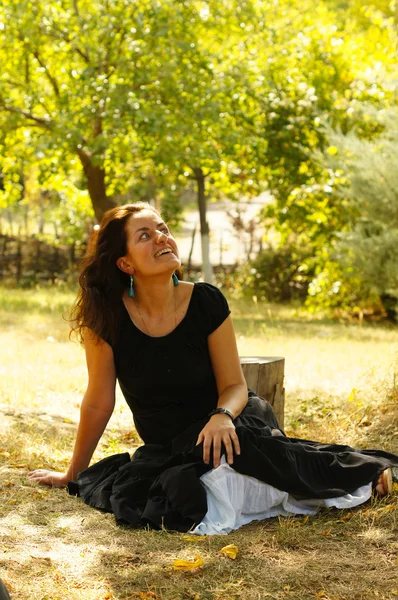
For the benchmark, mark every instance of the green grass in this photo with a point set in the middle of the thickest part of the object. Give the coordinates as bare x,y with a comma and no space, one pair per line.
339,387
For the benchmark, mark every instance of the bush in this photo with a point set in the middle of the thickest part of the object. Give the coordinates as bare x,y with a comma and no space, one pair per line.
276,275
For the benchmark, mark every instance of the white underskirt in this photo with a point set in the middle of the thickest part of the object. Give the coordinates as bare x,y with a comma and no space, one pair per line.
234,500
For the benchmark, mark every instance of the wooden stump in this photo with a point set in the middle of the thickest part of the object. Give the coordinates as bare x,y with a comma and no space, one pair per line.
264,375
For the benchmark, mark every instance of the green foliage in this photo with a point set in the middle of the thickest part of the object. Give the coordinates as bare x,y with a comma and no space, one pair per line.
361,270
276,275
117,101
340,288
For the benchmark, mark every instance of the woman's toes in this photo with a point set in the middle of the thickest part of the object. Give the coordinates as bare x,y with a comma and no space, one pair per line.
384,484
380,487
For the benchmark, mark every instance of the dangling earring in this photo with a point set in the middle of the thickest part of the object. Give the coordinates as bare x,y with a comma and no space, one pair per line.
175,280
131,288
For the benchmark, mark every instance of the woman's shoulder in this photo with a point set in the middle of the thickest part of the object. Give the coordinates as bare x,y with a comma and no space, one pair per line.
210,306
200,291
207,290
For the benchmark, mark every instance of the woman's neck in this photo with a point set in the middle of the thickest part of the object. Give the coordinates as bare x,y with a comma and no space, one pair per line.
156,298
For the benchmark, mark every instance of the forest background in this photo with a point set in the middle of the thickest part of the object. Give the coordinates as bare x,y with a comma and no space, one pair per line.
185,103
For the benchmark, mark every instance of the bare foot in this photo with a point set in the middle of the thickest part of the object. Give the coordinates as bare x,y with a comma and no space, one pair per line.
384,483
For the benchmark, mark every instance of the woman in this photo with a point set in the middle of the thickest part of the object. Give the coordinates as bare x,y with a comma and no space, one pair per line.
172,347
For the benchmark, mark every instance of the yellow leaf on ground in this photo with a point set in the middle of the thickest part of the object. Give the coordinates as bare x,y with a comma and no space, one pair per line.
188,565
194,538
231,551
320,594
147,595
345,517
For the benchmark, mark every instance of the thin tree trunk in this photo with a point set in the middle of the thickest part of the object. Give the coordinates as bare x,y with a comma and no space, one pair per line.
204,226
10,222
250,246
95,177
189,266
19,260
41,214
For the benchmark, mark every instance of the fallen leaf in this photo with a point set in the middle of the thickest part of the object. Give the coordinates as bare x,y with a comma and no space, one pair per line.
194,538
231,551
145,595
320,594
130,435
44,559
346,517
188,565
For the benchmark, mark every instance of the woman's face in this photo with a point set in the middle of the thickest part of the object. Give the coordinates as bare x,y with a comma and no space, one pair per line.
151,249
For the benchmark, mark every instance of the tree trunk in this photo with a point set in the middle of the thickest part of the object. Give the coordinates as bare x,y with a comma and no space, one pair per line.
10,222
204,226
265,376
19,260
189,266
41,214
95,177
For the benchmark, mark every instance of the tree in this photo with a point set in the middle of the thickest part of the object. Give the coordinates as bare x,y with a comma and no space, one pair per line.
308,211
237,100
137,80
83,78
203,132
363,265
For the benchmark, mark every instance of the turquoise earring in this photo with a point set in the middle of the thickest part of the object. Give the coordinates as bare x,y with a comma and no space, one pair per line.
175,280
131,288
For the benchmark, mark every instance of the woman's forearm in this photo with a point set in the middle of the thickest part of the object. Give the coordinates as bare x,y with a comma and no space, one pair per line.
234,398
93,421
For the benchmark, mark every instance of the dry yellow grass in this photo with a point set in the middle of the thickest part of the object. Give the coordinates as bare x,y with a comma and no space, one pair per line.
339,385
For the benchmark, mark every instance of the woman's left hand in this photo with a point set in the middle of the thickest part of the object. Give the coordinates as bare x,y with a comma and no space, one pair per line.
219,430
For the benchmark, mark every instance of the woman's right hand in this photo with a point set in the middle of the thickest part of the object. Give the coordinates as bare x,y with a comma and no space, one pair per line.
52,478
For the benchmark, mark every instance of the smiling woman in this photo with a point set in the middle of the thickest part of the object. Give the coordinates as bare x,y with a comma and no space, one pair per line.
172,348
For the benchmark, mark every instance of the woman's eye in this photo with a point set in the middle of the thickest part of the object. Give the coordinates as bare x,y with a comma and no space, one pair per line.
143,236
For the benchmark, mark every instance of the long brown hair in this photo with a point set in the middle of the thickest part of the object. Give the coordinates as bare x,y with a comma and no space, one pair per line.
102,283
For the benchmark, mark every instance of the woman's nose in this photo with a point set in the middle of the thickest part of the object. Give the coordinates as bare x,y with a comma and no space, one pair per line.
161,236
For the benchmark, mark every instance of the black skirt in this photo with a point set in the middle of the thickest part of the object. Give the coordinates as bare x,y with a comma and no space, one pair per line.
160,485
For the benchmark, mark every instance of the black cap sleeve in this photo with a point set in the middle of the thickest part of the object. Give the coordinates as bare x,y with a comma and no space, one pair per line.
214,306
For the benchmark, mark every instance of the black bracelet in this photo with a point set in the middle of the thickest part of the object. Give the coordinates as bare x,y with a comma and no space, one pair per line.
221,410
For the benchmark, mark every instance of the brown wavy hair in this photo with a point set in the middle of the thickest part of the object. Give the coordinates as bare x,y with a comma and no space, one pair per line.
98,304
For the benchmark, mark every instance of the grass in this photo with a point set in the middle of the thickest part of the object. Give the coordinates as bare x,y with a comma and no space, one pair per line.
339,387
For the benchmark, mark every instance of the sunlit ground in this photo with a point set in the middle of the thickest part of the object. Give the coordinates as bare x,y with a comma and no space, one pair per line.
339,387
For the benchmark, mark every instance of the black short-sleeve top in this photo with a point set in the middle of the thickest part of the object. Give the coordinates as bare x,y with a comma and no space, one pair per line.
168,382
